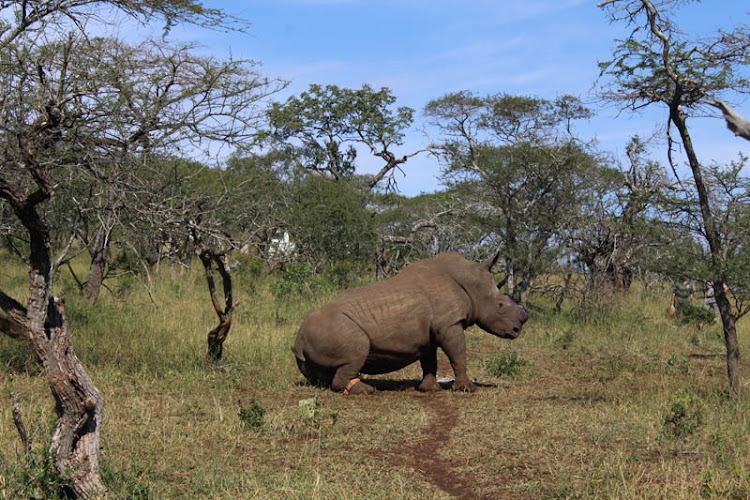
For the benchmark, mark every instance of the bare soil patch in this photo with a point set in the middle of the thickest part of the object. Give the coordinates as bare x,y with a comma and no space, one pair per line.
427,456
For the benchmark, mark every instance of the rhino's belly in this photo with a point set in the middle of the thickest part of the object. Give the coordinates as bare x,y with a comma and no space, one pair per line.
385,362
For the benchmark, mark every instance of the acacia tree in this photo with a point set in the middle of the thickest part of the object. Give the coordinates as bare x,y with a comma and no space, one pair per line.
615,229
320,132
660,65
321,128
155,100
20,17
79,404
42,112
522,169
330,222
206,212
212,255
729,193
412,228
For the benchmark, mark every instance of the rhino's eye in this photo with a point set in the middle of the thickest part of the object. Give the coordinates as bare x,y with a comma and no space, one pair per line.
500,304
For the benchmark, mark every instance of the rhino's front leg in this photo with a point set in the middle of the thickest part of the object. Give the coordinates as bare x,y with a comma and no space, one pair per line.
453,343
429,371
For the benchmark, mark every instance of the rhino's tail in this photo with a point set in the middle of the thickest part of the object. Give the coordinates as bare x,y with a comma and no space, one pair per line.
302,363
317,375
299,355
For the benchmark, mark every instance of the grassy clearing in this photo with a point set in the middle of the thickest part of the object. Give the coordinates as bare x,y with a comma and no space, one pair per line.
623,405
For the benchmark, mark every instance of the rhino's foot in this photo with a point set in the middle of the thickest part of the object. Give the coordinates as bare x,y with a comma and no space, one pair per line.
465,385
358,387
429,383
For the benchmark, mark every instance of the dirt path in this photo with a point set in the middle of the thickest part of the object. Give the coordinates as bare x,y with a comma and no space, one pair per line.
425,457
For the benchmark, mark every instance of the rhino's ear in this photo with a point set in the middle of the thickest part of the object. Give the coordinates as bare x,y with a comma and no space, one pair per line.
491,261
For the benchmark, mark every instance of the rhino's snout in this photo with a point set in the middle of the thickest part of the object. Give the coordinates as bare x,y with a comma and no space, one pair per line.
515,330
513,333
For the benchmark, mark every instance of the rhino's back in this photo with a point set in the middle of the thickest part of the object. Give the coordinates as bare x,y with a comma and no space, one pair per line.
414,301
385,311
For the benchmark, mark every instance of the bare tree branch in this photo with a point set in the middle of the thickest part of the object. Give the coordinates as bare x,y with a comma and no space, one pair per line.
20,426
735,122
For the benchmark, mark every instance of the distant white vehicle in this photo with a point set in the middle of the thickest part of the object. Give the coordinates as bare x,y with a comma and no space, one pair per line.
282,247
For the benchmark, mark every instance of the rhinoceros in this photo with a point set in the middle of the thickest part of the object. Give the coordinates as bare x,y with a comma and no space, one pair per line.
386,326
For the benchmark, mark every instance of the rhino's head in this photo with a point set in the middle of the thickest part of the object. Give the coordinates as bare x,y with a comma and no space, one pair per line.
494,311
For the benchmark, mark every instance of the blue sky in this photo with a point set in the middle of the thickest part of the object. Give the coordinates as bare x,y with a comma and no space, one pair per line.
423,49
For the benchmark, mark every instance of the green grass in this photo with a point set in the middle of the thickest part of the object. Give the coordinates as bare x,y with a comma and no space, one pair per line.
623,403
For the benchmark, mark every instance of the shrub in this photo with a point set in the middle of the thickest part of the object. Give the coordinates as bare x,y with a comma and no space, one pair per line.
251,417
686,414
131,484
696,316
329,222
33,475
314,415
505,365
248,270
298,280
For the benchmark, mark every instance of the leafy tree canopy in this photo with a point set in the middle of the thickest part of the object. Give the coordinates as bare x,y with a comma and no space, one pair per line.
322,127
329,223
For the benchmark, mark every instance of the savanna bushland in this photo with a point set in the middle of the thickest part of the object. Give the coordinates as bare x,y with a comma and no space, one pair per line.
614,401
122,248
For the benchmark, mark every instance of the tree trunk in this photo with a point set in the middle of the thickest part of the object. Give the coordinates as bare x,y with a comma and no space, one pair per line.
741,128
510,277
566,286
714,242
96,277
79,404
218,335
522,291
99,254
730,335
216,338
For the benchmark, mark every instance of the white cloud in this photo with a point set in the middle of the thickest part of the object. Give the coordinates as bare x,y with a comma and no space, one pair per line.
478,50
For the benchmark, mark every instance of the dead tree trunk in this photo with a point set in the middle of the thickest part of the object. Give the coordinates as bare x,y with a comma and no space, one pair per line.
79,404
218,335
20,427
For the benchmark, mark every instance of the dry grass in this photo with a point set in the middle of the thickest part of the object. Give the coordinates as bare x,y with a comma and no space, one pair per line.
585,418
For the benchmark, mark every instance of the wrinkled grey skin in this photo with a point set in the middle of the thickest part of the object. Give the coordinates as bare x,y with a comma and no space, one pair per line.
389,325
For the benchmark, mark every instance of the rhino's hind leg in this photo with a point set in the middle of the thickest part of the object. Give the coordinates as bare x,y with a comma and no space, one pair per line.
429,363
317,375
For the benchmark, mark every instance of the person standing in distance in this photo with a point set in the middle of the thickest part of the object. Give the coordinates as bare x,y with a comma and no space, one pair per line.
682,295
